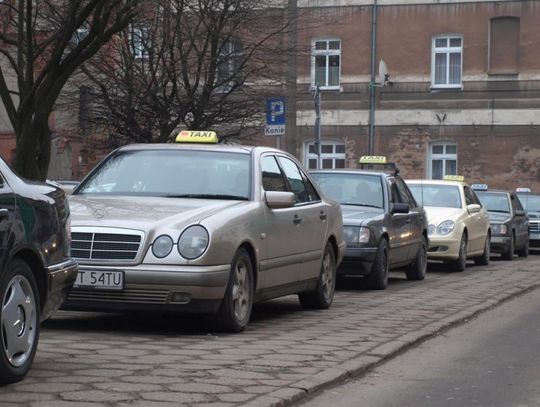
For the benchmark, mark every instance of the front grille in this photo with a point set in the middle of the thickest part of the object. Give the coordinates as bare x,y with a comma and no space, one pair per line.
104,246
534,227
136,296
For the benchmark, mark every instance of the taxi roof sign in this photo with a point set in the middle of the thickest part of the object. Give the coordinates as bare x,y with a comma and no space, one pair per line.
372,159
459,178
479,187
523,189
191,136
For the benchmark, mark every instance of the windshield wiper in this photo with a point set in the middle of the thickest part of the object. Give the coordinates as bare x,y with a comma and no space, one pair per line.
360,204
209,196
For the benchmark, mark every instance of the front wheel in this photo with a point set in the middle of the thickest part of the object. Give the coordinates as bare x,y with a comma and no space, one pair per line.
235,309
19,321
461,263
417,270
508,254
377,279
484,259
323,295
524,252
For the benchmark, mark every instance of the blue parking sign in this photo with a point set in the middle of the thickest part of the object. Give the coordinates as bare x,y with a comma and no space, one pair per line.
275,112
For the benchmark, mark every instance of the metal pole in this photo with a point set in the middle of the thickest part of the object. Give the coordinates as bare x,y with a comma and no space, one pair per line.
372,84
318,125
292,21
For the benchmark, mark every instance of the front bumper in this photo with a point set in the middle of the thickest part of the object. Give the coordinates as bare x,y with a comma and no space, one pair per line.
499,244
444,247
357,261
155,287
60,277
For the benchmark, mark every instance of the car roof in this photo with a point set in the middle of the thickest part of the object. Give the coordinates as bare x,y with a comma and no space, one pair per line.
498,191
232,148
352,171
435,182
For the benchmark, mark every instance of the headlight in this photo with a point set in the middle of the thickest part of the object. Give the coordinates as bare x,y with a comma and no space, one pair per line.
354,235
193,242
446,227
431,229
162,246
499,229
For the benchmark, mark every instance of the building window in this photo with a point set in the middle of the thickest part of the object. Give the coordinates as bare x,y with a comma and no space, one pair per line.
442,160
139,41
80,34
446,61
332,155
504,46
229,64
326,63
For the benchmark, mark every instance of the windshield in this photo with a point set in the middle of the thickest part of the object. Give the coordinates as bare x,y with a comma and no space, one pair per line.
172,173
443,196
531,203
494,201
352,189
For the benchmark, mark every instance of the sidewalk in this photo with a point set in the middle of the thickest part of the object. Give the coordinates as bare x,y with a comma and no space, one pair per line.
94,360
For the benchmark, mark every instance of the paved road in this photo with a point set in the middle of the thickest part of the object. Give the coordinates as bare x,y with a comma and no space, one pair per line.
94,360
492,361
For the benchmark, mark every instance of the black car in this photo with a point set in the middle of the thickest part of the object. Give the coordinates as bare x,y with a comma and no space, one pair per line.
36,271
509,223
531,204
383,225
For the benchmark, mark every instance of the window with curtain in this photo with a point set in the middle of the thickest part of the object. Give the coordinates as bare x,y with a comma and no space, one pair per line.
446,63
139,41
504,46
442,159
326,63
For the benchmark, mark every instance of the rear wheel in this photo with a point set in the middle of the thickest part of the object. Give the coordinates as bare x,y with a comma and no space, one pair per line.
461,263
19,321
323,295
508,254
236,306
417,270
377,279
484,259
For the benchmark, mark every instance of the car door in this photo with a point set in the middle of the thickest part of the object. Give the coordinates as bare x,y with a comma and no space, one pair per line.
282,257
416,219
7,216
312,219
521,222
399,229
477,224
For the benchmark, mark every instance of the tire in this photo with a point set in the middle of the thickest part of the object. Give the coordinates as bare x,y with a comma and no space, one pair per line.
524,252
461,263
323,295
508,254
235,309
19,321
417,269
484,259
377,279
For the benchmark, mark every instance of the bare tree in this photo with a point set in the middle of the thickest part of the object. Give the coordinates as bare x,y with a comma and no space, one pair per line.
42,43
186,64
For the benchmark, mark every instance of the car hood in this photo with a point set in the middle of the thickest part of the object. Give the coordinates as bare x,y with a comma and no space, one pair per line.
498,217
141,213
356,214
438,215
533,215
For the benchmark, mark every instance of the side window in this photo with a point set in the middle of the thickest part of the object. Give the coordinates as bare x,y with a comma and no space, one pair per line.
516,205
312,192
394,193
470,197
296,181
272,179
404,192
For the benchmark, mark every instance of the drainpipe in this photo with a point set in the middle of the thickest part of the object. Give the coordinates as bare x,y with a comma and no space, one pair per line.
372,84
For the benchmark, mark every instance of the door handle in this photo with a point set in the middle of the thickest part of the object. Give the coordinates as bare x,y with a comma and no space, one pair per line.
323,215
297,220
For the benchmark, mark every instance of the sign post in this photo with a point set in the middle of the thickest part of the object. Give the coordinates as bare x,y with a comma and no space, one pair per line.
275,117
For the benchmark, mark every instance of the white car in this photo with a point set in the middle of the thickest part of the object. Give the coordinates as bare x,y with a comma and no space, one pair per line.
458,225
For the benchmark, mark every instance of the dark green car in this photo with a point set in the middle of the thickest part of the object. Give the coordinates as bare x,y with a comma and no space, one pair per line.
383,225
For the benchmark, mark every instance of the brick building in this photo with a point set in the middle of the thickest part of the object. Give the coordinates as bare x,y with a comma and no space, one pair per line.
463,94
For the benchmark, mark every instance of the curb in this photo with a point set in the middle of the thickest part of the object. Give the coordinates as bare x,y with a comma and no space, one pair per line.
364,363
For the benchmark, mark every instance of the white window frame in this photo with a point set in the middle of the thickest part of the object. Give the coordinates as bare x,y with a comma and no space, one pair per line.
327,53
229,54
444,156
446,50
333,156
139,41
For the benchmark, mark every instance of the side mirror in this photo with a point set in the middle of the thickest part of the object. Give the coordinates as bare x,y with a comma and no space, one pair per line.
520,212
400,208
278,199
474,208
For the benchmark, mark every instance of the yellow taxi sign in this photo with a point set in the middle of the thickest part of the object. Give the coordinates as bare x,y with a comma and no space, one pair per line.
459,178
372,159
191,136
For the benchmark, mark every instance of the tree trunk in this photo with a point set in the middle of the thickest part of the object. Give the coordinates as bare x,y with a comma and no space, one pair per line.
33,150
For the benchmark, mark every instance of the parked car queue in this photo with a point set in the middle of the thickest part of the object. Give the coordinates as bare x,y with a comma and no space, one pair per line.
200,227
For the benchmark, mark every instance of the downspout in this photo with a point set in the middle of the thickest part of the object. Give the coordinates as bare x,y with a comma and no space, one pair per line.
372,84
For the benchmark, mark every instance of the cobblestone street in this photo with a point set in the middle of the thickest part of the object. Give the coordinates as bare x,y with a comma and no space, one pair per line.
139,360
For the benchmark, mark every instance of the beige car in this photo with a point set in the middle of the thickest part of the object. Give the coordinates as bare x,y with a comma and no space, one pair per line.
202,228
458,224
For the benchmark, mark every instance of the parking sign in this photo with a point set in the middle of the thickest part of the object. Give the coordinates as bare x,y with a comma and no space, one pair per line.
275,117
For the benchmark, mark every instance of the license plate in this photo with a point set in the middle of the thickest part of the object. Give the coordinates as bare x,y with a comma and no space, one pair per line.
103,279
534,236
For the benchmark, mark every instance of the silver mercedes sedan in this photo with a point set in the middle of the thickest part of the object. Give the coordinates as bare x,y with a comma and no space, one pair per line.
202,228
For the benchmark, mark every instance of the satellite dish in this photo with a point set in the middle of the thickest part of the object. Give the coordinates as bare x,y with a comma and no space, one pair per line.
383,73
